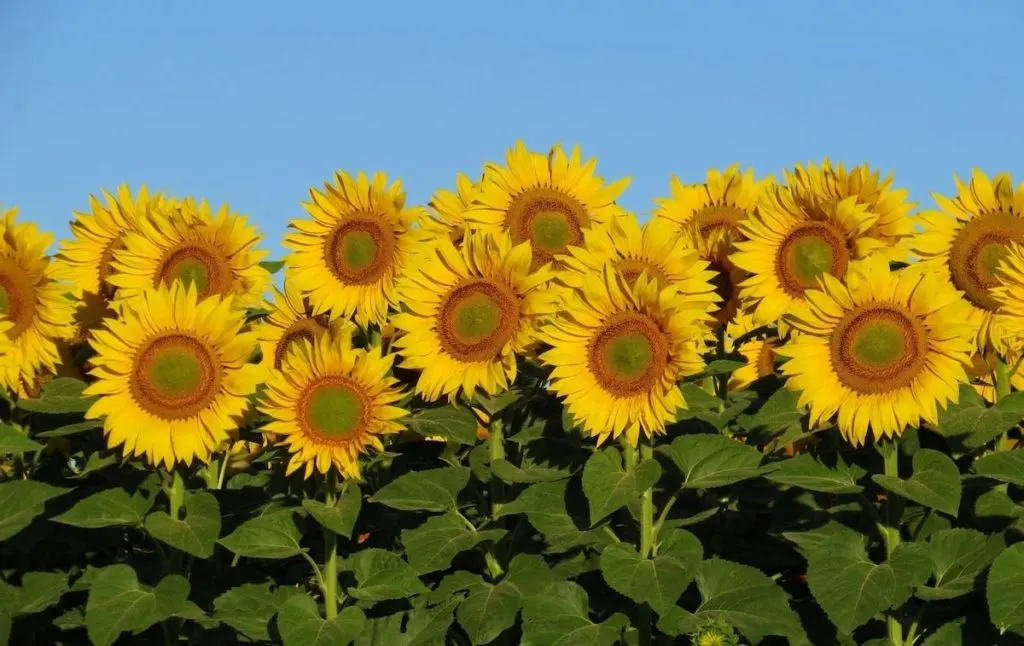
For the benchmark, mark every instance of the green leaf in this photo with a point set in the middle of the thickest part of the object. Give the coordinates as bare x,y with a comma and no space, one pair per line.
108,508
657,581
958,557
118,603
454,423
713,460
424,626
382,575
1005,582
1004,466
720,367
559,616
494,405
20,502
73,429
974,423
807,473
489,610
271,536
13,440
950,634
432,546
249,608
60,396
912,566
39,591
527,475
341,517
430,490
545,506
96,462
70,620
197,533
300,624
779,411
608,486
848,586
935,482
273,266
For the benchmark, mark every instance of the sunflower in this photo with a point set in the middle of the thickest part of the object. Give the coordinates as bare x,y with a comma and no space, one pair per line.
793,239
881,352
471,310
965,243
33,302
189,243
291,318
172,374
346,259
656,248
1008,322
546,200
618,351
331,402
890,205
758,353
982,373
448,208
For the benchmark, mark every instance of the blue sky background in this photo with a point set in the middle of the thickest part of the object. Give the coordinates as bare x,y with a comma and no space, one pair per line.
254,102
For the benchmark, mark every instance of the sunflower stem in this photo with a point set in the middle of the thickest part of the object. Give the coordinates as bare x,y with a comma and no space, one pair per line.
891,529
222,472
1003,377
646,540
721,381
496,444
176,494
330,577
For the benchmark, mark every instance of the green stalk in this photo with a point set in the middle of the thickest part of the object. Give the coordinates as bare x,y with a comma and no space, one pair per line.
1003,378
176,502
893,511
176,494
330,552
721,381
496,445
644,628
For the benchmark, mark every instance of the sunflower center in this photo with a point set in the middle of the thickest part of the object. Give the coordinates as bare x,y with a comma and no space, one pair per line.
197,264
360,249
878,348
628,356
632,268
976,252
809,251
175,376
308,329
724,283
476,319
334,409
549,219
17,302
718,219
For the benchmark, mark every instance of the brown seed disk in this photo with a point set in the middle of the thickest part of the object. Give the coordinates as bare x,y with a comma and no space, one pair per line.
718,219
526,206
793,278
977,247
160,404
870,378
19,292
622,325
476,347
322,435
356,230
217,268
308,329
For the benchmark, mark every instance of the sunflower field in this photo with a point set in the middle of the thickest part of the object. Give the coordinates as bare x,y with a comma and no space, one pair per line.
780,410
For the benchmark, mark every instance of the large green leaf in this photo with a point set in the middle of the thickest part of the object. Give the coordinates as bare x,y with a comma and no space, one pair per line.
382,575
657,581
39,591
958,557
300,624
20,502
60,396
1004,466
974,423
340,517
271,536
529,474
108,508
779,411
808,473
848,586
713,460
1005,582
559,616
454,423
431,490
196,533
432,546
423,626
935,482
545,506
248,608
950,634
608,486
14,440
488,610
118,603
73,429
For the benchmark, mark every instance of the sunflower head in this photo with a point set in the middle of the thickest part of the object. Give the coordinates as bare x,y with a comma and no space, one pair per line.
879,353
967,239
171,374
187,242
618,351
1007,328
982,373
758,353
716,207
548,201
447,209
471,311
331,403
347,257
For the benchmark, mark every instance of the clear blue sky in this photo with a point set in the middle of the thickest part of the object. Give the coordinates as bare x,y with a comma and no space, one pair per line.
253,102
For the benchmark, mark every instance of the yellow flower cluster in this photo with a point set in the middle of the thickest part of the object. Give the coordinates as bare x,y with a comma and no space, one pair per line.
876,324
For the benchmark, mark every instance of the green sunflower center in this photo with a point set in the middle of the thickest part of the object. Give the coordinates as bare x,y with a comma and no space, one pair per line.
878,348
629,355
196,264
335,409
17,297
175,376
360,250
193,271
549,218
811,249
976,252
551,231
476,319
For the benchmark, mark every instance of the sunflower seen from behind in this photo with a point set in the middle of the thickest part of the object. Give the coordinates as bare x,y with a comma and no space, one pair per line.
617,353
347,257
966,241
172,374
34,304
879,353
331,403
471,311
187,242
292,319
546,200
